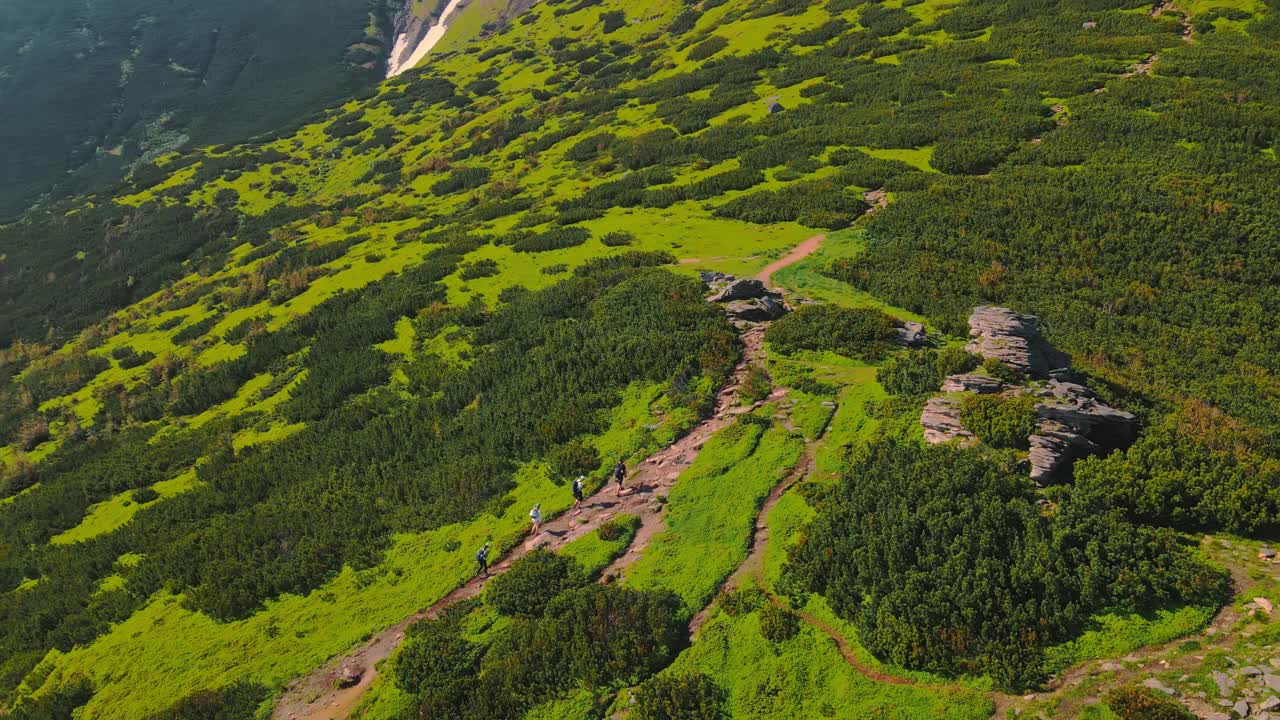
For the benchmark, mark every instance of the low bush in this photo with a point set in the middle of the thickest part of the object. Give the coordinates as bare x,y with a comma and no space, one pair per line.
690,696
531,583
855,332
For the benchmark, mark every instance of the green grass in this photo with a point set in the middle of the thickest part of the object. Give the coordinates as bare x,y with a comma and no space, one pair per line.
712,511
916,157
806,677
595,553
1118,633
111,514
805,278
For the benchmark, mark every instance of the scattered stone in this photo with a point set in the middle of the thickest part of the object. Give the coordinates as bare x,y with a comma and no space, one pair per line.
1111,666
1270,703
1158,686
972,382
1264,604
1272,681
1226,685
1250,671
1242,708
1217,716
1266,553
349,676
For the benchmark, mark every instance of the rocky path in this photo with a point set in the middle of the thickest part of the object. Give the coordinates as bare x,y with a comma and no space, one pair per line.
798,253
318,696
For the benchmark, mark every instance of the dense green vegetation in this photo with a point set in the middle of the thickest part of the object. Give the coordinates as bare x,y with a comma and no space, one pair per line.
579,635
943,561
269,397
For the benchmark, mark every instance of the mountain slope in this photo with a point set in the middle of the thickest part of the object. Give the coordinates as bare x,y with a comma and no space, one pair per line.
90,88
345,355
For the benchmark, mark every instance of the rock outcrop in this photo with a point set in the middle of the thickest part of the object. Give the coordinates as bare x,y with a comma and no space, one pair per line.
1074,424
912,334
745,301
740,290
972,382
1072,421
941,421
1014,339
760,309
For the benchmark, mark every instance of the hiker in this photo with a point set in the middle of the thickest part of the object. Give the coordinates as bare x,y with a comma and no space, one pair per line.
482,559
536,516
620,474
577,493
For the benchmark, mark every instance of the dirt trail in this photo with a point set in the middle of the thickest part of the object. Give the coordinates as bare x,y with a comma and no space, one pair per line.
798,253
317,696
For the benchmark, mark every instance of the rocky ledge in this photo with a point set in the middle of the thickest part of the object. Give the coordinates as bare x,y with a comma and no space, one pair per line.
745,301
1014,339
1072,422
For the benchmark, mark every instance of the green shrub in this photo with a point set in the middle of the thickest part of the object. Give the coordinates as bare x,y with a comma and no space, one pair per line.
778,624
756,385
144,495
1133,702
743,600
479,269
617,238
531,583
707,48
921,372
572,459
1000,421
691,696
855,332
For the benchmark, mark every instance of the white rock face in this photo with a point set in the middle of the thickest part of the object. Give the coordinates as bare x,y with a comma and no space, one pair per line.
405,55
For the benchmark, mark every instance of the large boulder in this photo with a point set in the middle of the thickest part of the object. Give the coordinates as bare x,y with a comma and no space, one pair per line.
941,421
1014,339
741,290
762,309
912,334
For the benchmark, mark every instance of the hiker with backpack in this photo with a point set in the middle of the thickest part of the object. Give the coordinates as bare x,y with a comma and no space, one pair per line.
482,560
620,474
577,494
536,516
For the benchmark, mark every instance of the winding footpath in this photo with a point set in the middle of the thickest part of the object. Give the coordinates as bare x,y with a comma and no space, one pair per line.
319,696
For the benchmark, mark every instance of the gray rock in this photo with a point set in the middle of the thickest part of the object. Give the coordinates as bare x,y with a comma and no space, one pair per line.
1250,671
760,309
1270,703
1272,681
741,290
983,384
1217,716
1013,339
1226,684
349,675
1054,449
912,334
1242,708
1158,686
941,422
